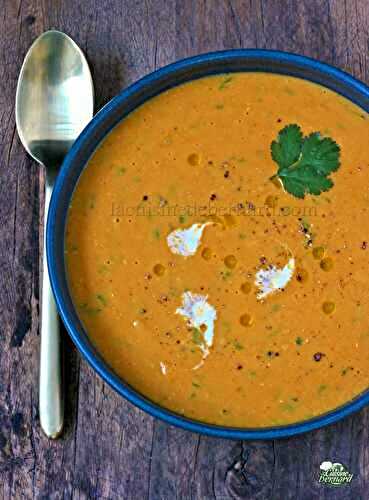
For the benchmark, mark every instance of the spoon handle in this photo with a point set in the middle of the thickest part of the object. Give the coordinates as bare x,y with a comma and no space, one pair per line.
51,403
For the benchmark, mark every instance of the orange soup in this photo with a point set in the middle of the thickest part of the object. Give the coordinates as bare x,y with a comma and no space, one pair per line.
217,248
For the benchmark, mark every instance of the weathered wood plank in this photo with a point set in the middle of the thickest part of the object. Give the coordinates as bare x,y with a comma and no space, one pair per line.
110,449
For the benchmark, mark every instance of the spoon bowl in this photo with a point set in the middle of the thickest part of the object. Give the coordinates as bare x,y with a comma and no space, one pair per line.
54,102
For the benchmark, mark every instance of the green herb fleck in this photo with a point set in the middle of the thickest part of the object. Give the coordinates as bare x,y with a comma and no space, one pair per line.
305,224
226,326
182,219
288,406
121,170
226,274
274,332
306,228
304,163
73,248
346,370
227,80
173,292
242,236
237,345
102,299
321,388
299,341
219,106
195,384
91,311
197,337
91,201
275,308
103,269
156,234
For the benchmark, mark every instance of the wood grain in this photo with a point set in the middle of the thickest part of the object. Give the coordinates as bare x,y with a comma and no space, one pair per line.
111,450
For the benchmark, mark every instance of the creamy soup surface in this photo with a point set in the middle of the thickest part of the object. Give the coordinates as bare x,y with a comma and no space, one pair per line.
206,285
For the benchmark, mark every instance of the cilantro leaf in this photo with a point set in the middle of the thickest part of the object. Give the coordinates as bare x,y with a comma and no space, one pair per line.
304,162
304,180
287,149
323,153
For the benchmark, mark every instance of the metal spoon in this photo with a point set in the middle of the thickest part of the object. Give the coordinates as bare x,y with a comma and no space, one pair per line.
54,102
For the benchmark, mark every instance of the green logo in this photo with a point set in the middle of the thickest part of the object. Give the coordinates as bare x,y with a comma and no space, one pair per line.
334,474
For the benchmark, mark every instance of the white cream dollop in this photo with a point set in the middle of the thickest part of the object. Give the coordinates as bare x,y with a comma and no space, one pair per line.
199,314
274,279
185,242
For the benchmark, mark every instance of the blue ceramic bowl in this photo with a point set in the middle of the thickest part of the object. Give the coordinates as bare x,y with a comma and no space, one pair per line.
88,141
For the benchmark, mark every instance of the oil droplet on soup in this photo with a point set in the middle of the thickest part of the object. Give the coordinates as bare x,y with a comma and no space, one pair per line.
220,267
328,307
230,261
326,264
194,159
246,287
159,269
246,320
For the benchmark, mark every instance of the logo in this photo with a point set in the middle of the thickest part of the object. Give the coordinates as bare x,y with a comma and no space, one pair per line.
334,474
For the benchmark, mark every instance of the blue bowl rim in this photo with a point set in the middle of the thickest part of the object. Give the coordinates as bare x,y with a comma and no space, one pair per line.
96,362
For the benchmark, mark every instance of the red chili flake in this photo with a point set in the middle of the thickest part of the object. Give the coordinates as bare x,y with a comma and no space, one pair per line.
364,245
162,202
163,299
318,356
226,174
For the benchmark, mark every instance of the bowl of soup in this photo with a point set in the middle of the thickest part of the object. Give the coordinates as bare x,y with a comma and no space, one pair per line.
208,244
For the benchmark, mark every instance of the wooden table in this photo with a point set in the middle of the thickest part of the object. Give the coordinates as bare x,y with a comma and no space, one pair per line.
111,450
